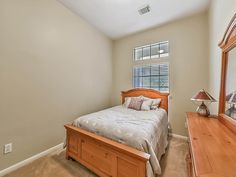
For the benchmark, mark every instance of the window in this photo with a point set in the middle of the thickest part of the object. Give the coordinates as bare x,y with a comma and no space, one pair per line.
147,72
155,76
152,51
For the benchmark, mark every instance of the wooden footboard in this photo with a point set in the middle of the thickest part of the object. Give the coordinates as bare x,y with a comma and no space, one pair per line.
103,156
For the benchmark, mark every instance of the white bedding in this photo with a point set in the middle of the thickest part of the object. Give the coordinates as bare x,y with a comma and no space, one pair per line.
144,130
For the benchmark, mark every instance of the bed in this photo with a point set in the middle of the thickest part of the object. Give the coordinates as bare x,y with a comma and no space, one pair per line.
102,142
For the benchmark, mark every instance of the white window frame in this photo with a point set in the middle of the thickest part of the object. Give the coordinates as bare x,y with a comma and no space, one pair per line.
152,61
151,57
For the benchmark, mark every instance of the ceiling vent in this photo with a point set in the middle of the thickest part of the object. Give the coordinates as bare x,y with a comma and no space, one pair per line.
143,10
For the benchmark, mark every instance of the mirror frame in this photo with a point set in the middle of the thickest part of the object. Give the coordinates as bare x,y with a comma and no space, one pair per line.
227,44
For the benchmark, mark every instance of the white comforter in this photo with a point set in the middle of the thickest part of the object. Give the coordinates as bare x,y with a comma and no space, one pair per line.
143,130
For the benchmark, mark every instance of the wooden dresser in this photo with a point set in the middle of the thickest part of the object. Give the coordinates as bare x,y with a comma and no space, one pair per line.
212,148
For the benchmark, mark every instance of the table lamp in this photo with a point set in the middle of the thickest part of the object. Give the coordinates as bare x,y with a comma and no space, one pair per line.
203,96
231,100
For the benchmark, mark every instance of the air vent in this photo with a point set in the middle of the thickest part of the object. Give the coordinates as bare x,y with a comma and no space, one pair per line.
143,10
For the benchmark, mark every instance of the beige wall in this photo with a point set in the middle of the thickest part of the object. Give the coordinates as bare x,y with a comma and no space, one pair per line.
220,14
53,68
188,40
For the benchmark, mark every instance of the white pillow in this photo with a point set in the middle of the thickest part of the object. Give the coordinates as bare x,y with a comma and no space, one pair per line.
127,101
146,106
155,102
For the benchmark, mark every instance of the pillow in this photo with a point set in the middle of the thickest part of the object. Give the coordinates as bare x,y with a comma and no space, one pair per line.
155,102
135,103
127,101
146,106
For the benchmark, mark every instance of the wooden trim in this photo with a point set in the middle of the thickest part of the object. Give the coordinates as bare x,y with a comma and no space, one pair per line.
227,43
150,93
223,82
228,32
228,121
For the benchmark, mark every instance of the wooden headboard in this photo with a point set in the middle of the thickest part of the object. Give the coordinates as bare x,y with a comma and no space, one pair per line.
150,93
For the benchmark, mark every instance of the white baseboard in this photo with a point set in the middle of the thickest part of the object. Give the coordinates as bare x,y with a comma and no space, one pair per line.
31,159
178,136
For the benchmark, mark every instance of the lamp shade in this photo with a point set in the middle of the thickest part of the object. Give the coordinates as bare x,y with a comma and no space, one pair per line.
202,95
231,98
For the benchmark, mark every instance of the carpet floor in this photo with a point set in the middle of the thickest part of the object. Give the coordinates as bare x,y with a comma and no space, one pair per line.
172,163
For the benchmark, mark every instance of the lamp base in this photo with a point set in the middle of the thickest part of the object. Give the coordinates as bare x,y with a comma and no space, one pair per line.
231,112
202,110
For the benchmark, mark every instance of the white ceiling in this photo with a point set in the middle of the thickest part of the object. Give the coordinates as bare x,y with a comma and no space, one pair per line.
117,18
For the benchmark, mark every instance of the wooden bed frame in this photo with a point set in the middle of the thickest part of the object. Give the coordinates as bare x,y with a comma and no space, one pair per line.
106,157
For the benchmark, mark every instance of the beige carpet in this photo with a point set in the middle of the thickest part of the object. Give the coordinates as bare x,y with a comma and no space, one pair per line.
173,164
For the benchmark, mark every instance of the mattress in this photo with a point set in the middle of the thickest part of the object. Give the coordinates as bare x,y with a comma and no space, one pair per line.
144,130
